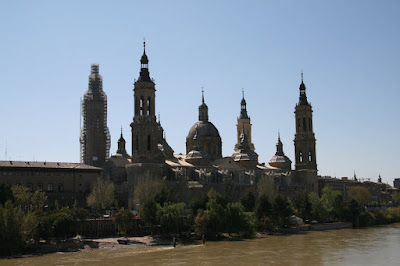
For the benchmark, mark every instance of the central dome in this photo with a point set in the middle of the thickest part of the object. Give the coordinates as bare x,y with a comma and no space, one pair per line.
204,129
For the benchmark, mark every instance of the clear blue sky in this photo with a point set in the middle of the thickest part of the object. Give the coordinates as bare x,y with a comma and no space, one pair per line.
348,50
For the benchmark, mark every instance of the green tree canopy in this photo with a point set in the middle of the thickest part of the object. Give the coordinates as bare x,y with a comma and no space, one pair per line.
102,195
170,217
281,211
248,201
360,194
123,220
333,201
263,207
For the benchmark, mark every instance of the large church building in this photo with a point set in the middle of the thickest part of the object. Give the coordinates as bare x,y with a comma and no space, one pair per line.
203,167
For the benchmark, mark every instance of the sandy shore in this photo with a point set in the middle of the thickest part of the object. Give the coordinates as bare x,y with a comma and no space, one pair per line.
133,242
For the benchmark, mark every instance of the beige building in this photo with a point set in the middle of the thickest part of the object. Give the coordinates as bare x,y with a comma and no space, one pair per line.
64,182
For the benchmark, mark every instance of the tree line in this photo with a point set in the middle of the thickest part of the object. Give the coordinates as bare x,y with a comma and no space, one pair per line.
25,219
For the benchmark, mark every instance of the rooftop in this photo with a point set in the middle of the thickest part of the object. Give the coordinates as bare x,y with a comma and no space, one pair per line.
52,165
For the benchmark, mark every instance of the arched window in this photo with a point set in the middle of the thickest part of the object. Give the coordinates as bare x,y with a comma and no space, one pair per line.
300,157
309,156
148,106
148,142
141,105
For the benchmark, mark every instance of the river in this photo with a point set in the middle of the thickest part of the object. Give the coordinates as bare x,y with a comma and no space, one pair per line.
367,246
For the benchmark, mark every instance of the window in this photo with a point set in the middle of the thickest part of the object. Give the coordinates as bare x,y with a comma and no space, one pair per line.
298,123
141,105
148,106
60,187
301,157
309,157
304,124
50,187
30,187
40,186
148,142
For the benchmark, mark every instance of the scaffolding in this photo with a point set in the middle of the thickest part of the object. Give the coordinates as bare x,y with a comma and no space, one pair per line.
95,140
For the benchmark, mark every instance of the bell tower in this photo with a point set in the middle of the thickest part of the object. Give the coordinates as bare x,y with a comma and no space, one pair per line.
144,126
243,125
304,140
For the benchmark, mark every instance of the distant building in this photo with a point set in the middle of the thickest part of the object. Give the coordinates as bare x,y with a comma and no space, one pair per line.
396,183
95,136
64,182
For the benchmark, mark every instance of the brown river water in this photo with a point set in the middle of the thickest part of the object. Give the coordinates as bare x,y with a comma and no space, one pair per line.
367,246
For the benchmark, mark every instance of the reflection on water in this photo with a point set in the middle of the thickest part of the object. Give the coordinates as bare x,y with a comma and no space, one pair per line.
369,246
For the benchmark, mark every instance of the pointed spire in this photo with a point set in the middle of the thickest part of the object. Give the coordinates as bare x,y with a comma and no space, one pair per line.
243,108
121,138
303,96
203,109
279,146
144,65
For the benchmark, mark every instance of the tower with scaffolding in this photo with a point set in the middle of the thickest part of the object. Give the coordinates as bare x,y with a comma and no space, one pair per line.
95,136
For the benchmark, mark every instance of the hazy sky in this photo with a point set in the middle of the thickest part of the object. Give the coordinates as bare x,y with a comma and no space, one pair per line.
348,50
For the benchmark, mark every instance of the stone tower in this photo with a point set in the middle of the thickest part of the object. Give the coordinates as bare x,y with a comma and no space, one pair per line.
304,140
144,126
243,124
95,136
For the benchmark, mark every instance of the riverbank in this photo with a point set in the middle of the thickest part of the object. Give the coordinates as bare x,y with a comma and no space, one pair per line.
80,244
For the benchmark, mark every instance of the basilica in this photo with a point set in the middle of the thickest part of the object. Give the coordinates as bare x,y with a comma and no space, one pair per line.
188,176
203,167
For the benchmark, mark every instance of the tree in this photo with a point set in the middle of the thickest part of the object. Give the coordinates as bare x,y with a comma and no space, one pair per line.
5,193
263,207
333,202
248,201
27,200
102,195
302,203
201,222
148,213
170,217
10,233
198,204
217,211
281,211
318,210
360,194
22,197
123,220
147,190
